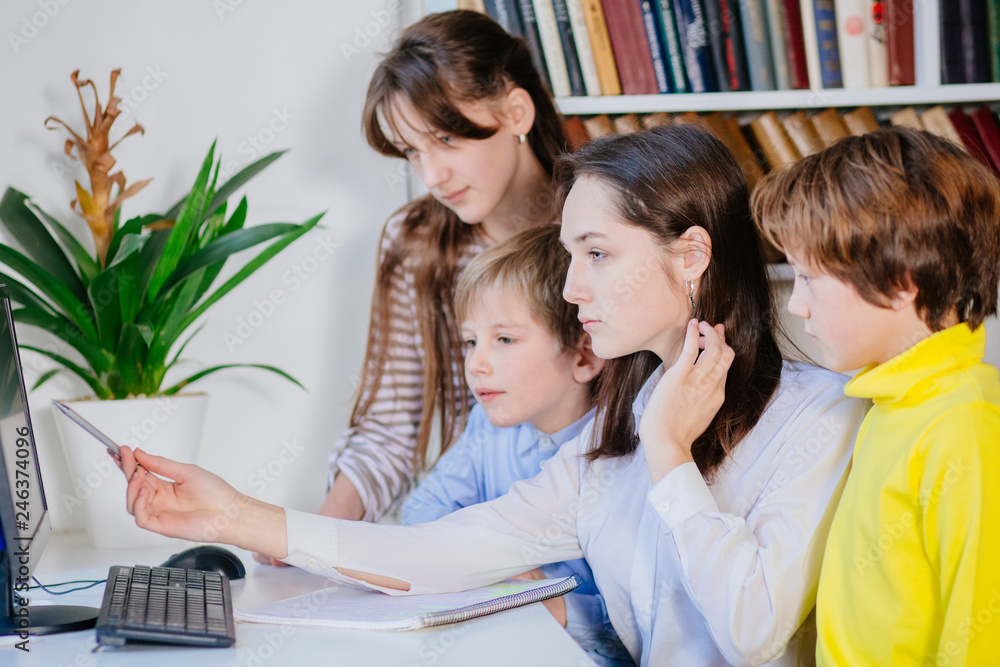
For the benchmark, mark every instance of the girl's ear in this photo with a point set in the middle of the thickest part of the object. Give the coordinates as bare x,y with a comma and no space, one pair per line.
696,252
518,110
586,364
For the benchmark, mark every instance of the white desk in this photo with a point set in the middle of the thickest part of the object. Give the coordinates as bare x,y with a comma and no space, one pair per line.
522,637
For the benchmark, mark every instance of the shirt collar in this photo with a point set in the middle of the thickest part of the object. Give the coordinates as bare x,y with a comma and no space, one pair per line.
531,436
908,372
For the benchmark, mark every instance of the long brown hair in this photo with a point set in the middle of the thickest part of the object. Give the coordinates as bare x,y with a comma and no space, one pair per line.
440,61
666,180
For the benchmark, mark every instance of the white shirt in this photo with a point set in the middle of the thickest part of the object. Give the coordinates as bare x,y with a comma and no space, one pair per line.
692,574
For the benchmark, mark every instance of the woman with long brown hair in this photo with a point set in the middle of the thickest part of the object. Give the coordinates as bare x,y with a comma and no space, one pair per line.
702,493
460,100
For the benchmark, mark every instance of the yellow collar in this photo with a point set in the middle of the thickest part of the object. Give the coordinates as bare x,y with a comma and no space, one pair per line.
950,349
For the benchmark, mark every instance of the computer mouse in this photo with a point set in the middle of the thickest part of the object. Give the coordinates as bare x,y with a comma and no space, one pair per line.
211,558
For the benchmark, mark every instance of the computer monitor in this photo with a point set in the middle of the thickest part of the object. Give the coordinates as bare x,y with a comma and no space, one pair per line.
24,518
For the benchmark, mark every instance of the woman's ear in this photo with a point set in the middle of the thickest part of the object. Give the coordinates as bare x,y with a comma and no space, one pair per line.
586,364
696,252
519,110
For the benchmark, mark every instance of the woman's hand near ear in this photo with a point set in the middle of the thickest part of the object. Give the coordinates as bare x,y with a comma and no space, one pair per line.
686,399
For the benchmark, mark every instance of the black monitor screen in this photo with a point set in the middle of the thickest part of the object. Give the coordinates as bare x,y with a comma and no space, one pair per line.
24,521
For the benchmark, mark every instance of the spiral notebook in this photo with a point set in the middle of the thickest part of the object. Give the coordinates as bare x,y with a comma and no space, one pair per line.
365,609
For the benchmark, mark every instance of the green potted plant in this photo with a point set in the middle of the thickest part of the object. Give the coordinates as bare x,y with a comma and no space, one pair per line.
124,309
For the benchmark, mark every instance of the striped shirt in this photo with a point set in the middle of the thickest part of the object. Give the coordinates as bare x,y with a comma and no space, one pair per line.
376,455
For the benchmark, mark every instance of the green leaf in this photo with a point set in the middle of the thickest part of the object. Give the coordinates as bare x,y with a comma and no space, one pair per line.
130,244
51,287
232,185
169,330
249,268
100,360
46,376
25,227
236,222
84,262
130,359
200,374
241,179
180,350
226,245
133,226
103,293
181,232
81,372
20,293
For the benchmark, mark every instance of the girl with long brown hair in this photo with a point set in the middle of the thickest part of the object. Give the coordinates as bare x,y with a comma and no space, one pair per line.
702,493
460,100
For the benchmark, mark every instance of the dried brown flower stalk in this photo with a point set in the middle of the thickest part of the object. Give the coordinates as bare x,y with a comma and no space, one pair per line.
94,152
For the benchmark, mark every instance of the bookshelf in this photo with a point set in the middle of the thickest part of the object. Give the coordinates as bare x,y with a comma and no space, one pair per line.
781,99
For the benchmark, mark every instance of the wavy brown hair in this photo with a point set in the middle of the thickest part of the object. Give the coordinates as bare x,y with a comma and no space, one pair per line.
891,208
438,63
665,181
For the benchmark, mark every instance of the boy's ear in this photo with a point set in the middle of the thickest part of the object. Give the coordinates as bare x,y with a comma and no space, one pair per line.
904,296
586,364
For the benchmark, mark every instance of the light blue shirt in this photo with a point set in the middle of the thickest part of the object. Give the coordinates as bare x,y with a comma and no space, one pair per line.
481,466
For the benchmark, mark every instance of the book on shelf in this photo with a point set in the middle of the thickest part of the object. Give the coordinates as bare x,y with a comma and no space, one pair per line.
964,42
567,40
694,43
774,141
353,608
725,40
988,128
829,126
650,10
825,15
756,38
795,48
779,49
970,136
878,53
936,120
673,53
852,42
598,126
584,52
907,118
600,45
505,13
627,124
899,41
993,31
552,48
811,44
860,121
630,46
529,25
576,133
802,132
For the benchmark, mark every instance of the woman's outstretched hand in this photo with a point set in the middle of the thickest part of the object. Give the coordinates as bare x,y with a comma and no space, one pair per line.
198,505
686,398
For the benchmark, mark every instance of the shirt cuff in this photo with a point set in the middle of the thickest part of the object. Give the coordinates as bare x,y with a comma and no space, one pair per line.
312,543
681,494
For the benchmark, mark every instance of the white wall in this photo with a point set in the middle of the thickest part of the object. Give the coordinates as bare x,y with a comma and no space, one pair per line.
194,71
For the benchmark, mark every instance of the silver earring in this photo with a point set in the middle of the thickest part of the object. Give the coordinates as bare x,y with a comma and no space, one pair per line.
691,292
521,137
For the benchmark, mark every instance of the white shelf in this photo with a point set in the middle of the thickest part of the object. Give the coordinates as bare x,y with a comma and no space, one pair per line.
780,272
782,99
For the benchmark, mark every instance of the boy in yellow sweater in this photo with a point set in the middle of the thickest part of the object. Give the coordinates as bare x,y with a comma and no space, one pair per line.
895,240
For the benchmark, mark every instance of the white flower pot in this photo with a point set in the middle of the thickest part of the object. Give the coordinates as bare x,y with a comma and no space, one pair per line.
168,426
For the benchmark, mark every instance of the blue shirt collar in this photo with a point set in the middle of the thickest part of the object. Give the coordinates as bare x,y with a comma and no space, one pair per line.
531,436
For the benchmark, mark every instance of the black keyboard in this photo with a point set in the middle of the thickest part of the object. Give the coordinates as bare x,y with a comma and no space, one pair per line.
166,604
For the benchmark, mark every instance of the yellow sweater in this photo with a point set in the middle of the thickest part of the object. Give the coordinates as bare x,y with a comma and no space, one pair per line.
911,573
